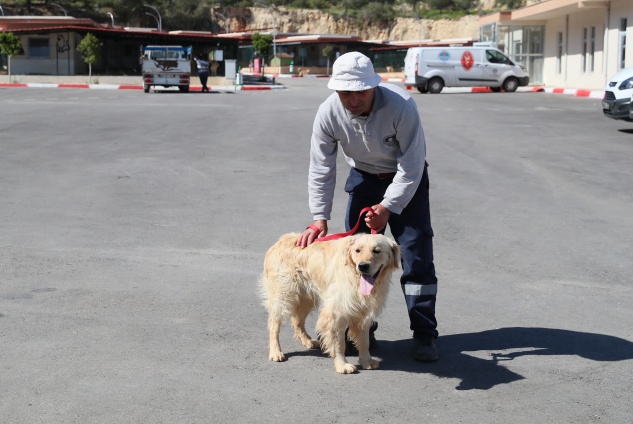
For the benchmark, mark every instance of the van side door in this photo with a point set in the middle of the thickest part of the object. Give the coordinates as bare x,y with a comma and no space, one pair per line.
468,70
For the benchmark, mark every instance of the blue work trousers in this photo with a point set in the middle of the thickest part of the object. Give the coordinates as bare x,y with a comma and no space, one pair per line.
412,231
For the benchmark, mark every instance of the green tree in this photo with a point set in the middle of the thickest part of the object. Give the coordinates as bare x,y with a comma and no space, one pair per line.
465,5
375,11
510,4
90,49
9,45
262,43
440,4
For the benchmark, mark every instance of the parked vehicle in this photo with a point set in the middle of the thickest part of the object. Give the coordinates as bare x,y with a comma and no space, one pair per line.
430,69
166,66
617,102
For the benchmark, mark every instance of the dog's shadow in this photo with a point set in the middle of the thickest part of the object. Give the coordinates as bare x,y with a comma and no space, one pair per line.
483,374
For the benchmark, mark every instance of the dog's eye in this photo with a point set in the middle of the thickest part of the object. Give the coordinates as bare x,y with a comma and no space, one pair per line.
376,251
357,250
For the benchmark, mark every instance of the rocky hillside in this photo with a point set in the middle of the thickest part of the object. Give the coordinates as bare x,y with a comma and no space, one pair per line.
318,22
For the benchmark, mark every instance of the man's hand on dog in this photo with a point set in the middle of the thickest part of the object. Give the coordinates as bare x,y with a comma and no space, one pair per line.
377,220
310,234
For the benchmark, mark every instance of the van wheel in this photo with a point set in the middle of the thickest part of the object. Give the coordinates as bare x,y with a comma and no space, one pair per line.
495,89
510,85
422,89
146,88
435,85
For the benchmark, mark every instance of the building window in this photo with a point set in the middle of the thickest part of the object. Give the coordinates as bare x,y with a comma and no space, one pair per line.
559,54
39,48
622,50
584,49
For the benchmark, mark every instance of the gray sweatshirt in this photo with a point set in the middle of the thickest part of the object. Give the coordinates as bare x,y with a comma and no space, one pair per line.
390,139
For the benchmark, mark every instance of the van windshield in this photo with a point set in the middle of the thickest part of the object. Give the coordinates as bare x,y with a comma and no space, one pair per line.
494,56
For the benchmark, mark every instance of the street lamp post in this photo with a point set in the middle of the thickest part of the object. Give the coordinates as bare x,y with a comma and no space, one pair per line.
64,10
275,40
111,18
157,17
1,10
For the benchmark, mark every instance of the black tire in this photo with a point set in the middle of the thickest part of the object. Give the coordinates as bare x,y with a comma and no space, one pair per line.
495,89
422,89
435,85
146,88
510,85
183,88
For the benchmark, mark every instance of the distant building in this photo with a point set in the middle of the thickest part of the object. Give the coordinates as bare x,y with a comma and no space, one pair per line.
50,45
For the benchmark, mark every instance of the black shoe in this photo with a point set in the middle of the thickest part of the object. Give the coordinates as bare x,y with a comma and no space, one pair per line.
424,348
350,347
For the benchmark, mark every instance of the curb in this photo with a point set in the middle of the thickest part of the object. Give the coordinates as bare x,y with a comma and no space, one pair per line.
226,88
594,94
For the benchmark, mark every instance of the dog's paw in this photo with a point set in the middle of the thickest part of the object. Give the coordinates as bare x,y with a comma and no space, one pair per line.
276,356
346,368
314,344
371,364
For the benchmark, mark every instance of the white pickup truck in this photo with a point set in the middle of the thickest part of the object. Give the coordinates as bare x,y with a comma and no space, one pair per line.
166,66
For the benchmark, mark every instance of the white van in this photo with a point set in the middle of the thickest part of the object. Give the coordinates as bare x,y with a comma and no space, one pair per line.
616,103
430,69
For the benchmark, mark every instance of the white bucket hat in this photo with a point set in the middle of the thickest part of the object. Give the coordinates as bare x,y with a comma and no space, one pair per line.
353,72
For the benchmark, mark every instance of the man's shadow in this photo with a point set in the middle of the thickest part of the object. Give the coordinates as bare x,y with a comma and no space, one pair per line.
482,374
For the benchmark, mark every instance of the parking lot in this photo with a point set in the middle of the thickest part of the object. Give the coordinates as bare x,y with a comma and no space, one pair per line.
135,226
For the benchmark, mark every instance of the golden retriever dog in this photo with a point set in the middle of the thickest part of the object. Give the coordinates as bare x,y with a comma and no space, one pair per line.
349,278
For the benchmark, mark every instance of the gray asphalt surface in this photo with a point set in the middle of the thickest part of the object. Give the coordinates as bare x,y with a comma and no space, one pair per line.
134,228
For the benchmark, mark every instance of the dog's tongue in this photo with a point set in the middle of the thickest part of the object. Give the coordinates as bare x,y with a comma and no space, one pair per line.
366,284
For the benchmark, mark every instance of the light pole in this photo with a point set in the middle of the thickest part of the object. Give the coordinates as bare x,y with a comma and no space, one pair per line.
158,19
111,18
275,39
1,10
55,4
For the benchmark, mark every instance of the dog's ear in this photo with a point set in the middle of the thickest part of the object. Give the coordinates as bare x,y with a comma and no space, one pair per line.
395,253
349,242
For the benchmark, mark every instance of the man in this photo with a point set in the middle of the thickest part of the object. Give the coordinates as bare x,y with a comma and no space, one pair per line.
380,133
203,71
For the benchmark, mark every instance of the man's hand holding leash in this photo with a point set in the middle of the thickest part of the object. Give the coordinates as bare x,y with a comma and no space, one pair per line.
315,230
378,218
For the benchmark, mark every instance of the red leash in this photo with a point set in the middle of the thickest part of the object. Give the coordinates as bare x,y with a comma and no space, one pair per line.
341,235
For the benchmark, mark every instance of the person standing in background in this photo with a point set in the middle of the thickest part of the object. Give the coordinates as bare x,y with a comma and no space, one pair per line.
203,71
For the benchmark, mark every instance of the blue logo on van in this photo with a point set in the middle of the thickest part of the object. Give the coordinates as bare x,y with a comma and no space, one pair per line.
444,56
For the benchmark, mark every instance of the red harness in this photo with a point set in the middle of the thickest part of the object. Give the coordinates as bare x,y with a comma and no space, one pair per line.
341,235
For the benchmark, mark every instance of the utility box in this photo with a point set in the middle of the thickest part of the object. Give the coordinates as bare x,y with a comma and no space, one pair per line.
230,69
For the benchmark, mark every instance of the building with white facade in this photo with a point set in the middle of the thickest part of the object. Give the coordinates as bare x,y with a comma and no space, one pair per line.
566,43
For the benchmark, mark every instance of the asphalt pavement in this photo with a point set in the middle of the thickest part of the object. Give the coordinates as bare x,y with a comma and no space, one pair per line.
135,226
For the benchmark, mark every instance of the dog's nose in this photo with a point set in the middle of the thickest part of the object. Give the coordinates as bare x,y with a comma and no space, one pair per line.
363,267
